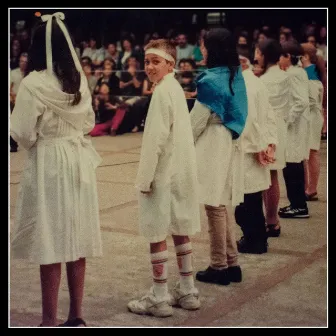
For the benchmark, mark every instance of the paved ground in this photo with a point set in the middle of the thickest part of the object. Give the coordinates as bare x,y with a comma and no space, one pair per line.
285,287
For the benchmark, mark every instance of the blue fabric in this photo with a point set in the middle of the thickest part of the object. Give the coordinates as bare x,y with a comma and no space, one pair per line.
311,72
213,91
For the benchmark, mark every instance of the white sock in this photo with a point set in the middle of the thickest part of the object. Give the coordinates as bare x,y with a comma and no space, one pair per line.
184,261
160,273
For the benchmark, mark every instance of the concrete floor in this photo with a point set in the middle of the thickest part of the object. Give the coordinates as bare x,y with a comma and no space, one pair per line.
286,287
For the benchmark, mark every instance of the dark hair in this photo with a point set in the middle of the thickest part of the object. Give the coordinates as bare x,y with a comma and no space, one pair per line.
191,62
221,47
294,49
63,63
86,58
271,50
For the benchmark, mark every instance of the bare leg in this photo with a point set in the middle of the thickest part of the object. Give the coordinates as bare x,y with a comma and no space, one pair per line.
271,199
76,275
50,276
314,171
325,127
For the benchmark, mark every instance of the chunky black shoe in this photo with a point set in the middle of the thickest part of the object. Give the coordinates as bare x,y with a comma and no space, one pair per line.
13,149
291,212
73,323
271,230
235,274
253,247
211,275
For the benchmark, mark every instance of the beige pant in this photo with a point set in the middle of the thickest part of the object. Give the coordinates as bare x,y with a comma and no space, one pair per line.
223,245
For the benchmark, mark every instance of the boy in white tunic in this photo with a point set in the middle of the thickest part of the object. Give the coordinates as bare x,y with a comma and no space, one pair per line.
167,184
259,139
312,172
57,213
297,148
218,119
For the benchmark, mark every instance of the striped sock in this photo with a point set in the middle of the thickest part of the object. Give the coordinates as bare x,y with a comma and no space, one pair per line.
160,273
184,261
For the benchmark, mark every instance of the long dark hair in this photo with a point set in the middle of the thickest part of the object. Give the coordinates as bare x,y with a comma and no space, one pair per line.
271,50
221,47
63,63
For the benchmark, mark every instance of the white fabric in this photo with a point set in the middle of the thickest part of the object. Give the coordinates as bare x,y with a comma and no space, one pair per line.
160,53
57,213
277,84
260,131
316,117
16,77
59,16
168,162
219,159
297,148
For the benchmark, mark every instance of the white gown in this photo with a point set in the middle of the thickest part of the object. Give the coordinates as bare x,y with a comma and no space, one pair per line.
277,83
316,117
219,159
298,137
57,213
260,131
168,163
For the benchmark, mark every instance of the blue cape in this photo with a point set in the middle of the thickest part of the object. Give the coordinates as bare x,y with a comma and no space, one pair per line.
213,91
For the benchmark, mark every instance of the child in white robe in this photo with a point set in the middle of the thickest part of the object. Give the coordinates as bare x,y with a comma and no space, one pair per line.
57,213
167,184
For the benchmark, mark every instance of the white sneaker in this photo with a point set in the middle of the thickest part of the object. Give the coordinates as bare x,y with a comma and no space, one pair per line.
189,301
151,305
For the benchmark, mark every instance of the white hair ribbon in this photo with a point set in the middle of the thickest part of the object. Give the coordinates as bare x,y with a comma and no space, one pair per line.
160,53
59,18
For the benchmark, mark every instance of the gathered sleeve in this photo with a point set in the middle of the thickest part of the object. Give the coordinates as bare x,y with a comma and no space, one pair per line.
158,127
24,118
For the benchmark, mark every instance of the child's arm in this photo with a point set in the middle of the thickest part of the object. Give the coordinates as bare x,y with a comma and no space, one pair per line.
24,117
158,124
199,117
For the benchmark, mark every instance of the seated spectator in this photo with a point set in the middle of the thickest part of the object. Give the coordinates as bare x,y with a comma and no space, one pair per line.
111,52
92,80
197,56
86,60
109,112
189,87
108,77
97,55
15,52
183,50
131,80
125,53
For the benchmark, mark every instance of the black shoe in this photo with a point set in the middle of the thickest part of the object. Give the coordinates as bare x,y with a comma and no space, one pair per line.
284,209
291,212
13,150
73,323
235,274
212,275
253,247
271,230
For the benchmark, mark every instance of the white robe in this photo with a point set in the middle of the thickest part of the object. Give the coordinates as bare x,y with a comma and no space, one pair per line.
277,84
298,136
219,159
168,163
260,131
316,117
57,213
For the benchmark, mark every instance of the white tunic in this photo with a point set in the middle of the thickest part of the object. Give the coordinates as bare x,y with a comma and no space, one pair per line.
219,159
57,214
316,117
277,84
260,131
298,136
168,163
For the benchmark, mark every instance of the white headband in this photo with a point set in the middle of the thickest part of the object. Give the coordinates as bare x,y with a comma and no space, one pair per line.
161,53
59,16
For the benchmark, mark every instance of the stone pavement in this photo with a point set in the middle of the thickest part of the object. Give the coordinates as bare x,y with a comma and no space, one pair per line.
285,287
